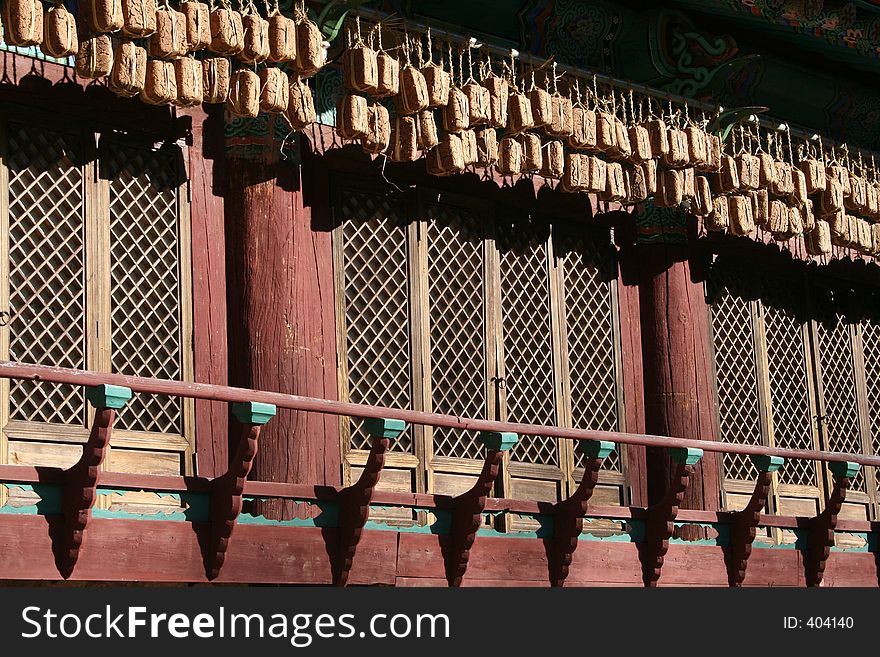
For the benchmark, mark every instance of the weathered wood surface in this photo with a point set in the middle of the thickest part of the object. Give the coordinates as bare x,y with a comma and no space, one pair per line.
162,551
679,398
282,336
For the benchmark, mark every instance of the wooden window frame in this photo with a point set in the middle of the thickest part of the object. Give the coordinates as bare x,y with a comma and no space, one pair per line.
97,317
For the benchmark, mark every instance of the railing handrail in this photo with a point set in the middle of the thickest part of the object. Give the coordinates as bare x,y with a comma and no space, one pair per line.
213,392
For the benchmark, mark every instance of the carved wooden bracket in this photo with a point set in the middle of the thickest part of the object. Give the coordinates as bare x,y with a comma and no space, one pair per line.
226,490
568,516
81,479
743,526
821,533
467,508
354,501
660,518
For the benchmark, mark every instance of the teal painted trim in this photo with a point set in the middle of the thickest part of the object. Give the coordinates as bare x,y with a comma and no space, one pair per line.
253,412
500,441
177,516
49,503
108,396
596,449
722,540
842,469
686,455
102,492
623,537
487,531
860,548
384,428
765,463
329,516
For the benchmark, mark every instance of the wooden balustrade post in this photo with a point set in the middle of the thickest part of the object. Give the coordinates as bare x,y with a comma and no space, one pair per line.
280,300
676,356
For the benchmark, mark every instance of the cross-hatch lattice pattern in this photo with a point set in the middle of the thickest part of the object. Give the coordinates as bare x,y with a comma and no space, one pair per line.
736,377
871,348
528,345
838,382
589,314
789,391
46,271
145,283
376,306
458,351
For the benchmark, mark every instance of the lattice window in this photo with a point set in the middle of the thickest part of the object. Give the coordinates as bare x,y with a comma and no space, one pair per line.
376,291
46,270
457,317
587,266
839,391
528,343
736,373
789,392
145,281
871,348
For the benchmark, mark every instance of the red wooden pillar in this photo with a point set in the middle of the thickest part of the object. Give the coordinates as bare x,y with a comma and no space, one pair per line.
676,357
281,316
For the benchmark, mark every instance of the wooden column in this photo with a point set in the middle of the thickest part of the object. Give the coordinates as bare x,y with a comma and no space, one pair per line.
676,354
281,317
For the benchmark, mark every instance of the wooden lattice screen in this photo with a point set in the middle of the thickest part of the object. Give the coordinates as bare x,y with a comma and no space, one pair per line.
447,308
788,373
94,273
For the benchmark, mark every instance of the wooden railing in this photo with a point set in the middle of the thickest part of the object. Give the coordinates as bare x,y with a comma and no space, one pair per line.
253,409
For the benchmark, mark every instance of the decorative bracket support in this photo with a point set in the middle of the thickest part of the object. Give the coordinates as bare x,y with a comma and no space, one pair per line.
743,526
821,533
467,508
354,501
81,479
568,516
226,490
660,519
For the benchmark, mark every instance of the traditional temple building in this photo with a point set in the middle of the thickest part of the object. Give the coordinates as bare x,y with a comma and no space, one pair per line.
516,292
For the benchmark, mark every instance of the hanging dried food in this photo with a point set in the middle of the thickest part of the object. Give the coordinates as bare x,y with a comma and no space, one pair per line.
378,137
678,155
689,180
671,189
553,164
448,158
818,240
139,18
561,119
841,175
413,95
533,158
728,176
479,103
388,75
301,105
456,114
215,79
576,174
761,207
104,15
404,139
282,39
606,131
255,44
22,22
583,134
188,76
703,202
274,90
831,200
542,106
698,151
814,175
742,220
352,116
519,113
597,174
198,24
244,93
615,184
487,148
311,56
640,141
169,39
650,172
510,159
427,135
469,146
778,224
160,85
659,134
748,169
94,59
499,92
858,194
636,185
622,149
129,73
766,170
360,69
719,219
227,32
59,33
808,217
